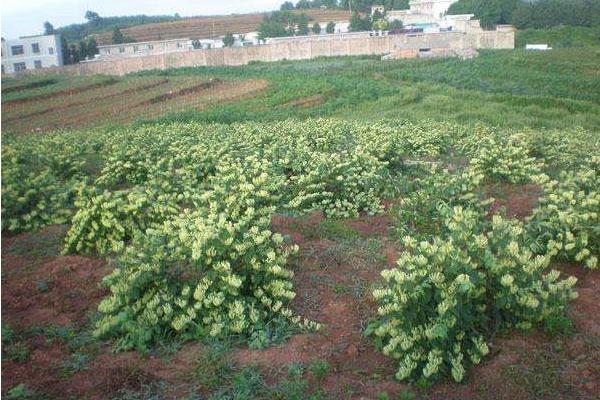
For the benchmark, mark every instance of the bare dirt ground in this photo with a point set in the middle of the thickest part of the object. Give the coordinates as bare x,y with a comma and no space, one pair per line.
49,301
124,101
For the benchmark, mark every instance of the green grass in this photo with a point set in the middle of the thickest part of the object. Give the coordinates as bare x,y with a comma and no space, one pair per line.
218,376
560,36
505,88
508,88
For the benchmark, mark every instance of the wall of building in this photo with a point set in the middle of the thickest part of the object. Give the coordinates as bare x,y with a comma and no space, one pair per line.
49,53
143,48
436,8
310,47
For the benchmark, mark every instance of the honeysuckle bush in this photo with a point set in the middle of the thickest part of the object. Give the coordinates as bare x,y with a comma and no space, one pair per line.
448,295
566,221
40,179
107,220
185,210
340,184
561,149
189,151
419,211
505,159
428,139
215,270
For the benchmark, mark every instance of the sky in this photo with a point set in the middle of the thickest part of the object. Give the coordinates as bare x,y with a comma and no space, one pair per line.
26,17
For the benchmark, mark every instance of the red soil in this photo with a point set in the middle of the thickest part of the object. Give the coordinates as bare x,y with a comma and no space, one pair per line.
332,288
518,200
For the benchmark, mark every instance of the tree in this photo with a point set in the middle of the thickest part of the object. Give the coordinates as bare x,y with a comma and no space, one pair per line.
549,13
330,28
277,24
117,36
303,25
271,28
358,24
228,40
48,28
287,6
316,28
396,4
92,47
92,16
396,24
303,4
378,21
489,12
66,52
83,52
74,53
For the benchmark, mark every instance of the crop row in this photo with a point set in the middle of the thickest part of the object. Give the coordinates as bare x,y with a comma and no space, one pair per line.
186,211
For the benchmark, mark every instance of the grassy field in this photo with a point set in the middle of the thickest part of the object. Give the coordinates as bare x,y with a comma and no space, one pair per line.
140,214
512,89
560,37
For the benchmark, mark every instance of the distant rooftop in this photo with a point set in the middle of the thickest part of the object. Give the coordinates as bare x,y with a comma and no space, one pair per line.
146,42
34,36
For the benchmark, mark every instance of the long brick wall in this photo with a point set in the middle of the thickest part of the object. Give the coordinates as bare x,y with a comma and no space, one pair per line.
502,38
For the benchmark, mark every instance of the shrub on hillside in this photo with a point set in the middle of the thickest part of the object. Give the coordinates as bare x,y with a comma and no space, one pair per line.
567,220
505,159
447,296
39,182
106,221
216,270
420,211
339,184
560,149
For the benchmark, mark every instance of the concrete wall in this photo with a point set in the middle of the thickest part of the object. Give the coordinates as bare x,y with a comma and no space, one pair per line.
502,38
127,50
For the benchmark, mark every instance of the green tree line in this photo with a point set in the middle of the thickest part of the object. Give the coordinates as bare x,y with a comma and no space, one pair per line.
531,14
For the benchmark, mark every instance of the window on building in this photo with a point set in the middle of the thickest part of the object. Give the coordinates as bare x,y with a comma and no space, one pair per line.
37,64
50,50
136,48
35,47
121,49
17,50
150,47
19,66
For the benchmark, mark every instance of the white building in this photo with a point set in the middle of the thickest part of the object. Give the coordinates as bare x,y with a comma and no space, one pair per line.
340,27
144,48
31,52
198,44
437,8
430,15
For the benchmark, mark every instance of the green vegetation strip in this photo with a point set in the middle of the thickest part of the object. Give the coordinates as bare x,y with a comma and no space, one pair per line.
185,210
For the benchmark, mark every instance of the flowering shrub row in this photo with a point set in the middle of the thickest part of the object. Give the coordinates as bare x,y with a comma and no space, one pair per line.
439,305
566,222
40,178
420,211
214,270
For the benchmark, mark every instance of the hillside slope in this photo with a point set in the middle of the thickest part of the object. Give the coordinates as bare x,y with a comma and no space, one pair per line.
206,27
